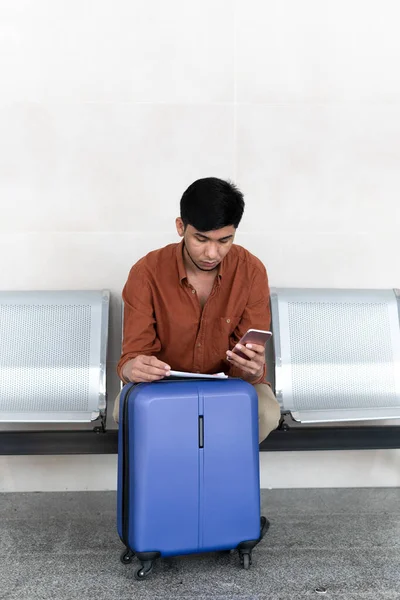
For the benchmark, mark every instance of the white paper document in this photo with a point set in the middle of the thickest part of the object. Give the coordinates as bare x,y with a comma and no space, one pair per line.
197,375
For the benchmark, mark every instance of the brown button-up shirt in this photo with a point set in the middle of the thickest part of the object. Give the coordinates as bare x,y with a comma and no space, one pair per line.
163,316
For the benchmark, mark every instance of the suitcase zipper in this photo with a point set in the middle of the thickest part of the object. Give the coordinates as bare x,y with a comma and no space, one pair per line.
200,514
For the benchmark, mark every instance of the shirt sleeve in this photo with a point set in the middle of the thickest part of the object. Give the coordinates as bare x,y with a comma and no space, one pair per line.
256,315
139,330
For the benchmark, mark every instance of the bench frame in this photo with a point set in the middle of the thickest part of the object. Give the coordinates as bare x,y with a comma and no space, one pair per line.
286,438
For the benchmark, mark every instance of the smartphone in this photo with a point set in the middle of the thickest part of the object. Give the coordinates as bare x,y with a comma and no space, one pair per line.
253,336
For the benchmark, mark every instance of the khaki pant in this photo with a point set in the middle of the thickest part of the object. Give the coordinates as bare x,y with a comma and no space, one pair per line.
268,411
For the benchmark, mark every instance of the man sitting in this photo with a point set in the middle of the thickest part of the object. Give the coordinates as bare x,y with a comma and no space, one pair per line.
187,305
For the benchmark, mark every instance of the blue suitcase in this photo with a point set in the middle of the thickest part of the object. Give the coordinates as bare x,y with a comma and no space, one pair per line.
188,470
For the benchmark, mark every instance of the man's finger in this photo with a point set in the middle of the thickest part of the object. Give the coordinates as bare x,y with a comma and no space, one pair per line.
243,363
238,360
140,368
146,376
147,379
257,348
153,371
247,366
245,351
154,362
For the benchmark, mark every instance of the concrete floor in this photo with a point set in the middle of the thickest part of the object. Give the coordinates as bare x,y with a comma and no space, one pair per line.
64,546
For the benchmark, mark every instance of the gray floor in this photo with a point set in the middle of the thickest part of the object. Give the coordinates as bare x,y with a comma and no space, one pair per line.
64,546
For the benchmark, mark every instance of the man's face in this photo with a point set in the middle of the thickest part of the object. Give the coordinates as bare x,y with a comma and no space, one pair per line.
206,249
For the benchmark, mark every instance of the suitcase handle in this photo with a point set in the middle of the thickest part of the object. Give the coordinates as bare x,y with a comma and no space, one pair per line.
201,431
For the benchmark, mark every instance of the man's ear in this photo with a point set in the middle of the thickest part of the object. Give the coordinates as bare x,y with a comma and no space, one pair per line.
180,227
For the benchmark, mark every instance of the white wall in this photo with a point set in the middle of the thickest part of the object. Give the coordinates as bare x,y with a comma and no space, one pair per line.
108,110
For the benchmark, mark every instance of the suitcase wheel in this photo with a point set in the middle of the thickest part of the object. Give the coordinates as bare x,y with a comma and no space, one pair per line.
143,571
245,560
126,557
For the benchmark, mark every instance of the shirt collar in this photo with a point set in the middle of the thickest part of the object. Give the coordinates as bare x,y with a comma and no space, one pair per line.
181,265
179,261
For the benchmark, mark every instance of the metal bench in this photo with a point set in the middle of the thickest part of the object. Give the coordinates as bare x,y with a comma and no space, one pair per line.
337,353
53,347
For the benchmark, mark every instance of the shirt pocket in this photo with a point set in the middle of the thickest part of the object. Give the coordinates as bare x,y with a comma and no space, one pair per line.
222,330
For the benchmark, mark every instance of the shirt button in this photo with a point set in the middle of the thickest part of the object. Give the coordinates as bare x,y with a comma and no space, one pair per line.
228,320
198,345
193,291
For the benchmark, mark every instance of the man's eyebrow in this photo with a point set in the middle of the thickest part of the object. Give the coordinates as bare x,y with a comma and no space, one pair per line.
226,237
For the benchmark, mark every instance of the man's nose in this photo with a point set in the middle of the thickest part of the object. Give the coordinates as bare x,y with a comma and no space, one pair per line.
212,252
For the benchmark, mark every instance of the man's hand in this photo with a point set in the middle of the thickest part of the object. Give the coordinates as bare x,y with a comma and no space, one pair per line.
145,369
253,368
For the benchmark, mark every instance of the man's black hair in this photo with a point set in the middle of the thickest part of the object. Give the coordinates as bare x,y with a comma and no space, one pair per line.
209,204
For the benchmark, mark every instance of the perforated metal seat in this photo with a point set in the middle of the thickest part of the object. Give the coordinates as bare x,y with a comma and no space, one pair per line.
337,353
53,347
